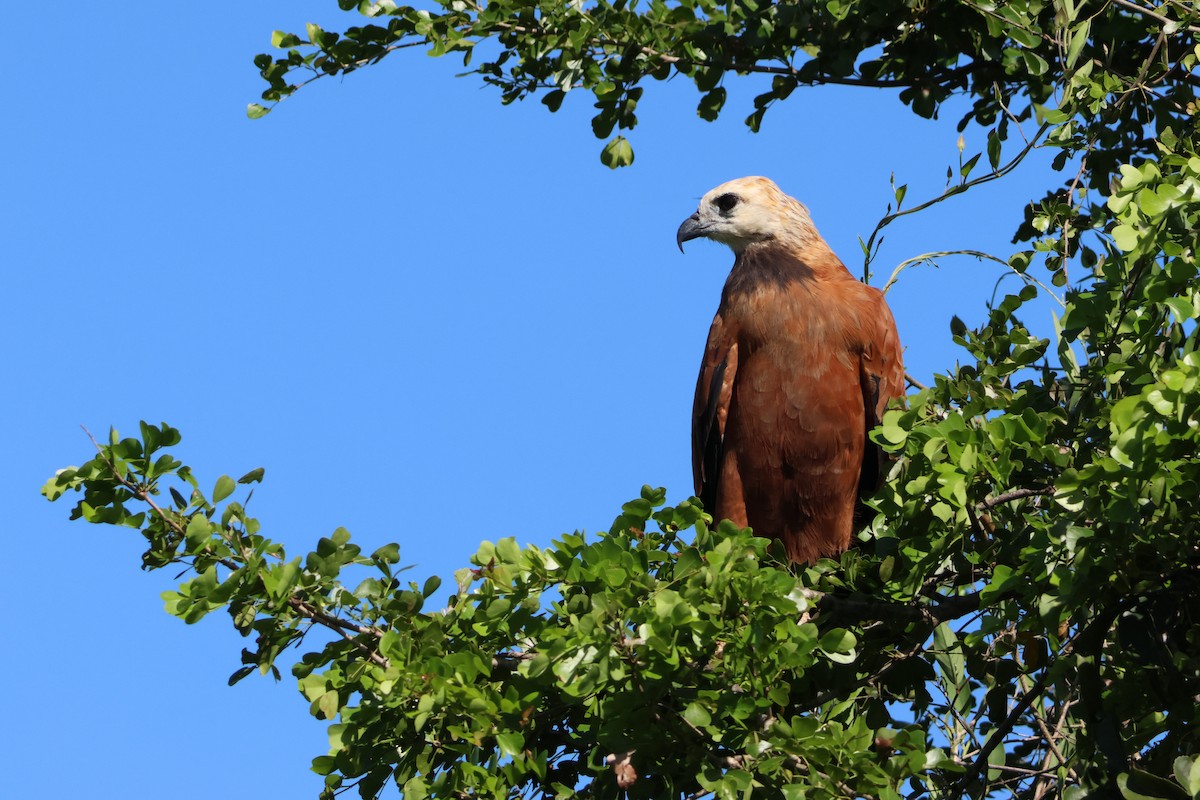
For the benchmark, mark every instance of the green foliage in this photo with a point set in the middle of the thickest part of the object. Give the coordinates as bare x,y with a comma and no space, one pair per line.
606,50
687,655
1020,618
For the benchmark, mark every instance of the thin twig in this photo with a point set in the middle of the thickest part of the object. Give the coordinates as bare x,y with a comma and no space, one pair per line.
997,736
338,626
928,257
1029,773
1015,494
999,172
1146,12
1051,739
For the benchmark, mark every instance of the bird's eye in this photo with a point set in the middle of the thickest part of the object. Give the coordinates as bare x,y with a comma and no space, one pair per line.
726,202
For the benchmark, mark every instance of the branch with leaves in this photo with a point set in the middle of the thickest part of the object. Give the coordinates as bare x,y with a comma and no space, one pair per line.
500,680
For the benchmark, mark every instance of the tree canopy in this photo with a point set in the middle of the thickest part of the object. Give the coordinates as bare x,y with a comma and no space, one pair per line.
1019,619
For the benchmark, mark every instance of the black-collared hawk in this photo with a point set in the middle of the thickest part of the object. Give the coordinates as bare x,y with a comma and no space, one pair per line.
802,359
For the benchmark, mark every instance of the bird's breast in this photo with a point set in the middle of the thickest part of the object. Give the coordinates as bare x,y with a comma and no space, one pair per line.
797,390
797,323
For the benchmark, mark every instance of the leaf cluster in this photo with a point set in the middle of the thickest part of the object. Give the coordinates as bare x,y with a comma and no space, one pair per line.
706,665
995,54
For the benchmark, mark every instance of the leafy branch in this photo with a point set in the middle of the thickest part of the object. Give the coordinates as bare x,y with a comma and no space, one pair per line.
816,627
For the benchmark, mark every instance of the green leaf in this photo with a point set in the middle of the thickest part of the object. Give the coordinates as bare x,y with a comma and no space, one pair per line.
224,488
508,551
1125,237
697,715
711,104
617,153
283,40
254,110
199,530
280,580
388,554
1151,203
59,484
993,148
511,744
996,758
891,429
253,476
1026,38
239,674
966,168
1034,63
1140,785
1079,39
536,665
1181,307
1187,772
838,641
329,704
499,607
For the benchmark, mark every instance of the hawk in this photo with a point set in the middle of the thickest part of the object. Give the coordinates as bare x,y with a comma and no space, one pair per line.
801,361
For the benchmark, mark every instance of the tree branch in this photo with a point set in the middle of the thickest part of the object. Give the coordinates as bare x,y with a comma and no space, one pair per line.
1147,12
473,31
997,736
341,627
1015,494
913,382
863,608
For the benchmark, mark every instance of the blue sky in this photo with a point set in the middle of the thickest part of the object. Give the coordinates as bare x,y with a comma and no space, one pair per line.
431,318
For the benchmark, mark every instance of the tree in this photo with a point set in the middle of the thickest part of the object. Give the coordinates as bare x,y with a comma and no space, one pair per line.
1021,616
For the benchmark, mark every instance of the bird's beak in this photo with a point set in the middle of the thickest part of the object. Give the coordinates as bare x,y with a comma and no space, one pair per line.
690,229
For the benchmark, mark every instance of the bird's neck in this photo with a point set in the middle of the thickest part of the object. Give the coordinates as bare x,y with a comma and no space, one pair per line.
785,261
782,289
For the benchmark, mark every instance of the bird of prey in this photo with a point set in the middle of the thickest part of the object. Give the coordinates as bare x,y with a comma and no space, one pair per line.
801,361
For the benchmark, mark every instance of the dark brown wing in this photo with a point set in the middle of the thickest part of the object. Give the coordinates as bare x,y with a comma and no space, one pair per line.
881,376
710,411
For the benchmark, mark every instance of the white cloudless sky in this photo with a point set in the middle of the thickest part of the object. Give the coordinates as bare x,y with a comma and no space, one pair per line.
432,319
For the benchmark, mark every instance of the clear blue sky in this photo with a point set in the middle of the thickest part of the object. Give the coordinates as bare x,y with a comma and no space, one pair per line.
431,318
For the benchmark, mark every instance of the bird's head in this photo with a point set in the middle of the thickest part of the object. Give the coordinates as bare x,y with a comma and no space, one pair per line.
746,211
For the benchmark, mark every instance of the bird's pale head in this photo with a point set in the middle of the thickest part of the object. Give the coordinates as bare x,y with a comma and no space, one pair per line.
747,211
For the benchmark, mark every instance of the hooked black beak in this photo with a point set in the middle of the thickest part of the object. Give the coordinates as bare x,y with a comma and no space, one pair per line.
690,229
